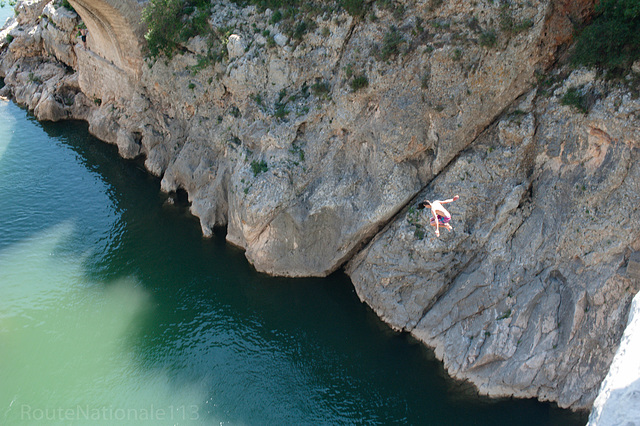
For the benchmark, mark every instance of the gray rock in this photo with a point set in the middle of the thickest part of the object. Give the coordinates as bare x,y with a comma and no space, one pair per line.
236,46
525,297
633,267
281,39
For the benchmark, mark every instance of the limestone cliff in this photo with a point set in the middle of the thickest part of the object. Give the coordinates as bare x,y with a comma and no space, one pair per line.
312,149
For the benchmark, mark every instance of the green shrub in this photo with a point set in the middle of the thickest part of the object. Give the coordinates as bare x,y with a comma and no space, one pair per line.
348,70
506,314
296,150
359,82
203,62
488,38
474,24
509,25
398,12
66,5
612,41
34,78
522,26
354,8
320,88
258,167
304,90
300,30
391,43
434,4
170,22
276,17
198,24
258,99
506,20
281,111
281,94
576,99
9,38
163,22
234,111
419,28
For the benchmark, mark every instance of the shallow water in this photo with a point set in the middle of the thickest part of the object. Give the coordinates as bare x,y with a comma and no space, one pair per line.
113,308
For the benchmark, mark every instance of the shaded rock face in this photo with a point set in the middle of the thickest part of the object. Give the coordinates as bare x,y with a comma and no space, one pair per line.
310,171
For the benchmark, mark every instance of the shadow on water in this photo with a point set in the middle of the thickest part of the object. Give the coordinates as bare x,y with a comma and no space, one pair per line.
264,349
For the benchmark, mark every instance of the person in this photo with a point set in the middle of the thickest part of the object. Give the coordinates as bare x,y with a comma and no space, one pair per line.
83,37
441,216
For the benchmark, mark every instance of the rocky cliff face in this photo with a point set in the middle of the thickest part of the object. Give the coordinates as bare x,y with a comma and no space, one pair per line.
311,150
529,293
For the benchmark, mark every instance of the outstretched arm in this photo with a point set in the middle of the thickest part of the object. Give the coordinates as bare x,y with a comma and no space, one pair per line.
450,200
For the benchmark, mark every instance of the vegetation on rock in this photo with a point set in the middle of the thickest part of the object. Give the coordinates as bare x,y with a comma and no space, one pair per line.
612,41
258,167
574,98
171,23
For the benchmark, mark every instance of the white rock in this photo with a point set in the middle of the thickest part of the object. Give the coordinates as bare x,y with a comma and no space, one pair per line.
63,18
618,402
280,39
198,45
236,46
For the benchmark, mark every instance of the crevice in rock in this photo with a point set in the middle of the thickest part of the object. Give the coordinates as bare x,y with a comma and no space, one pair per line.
347,39
180,198
137,138
402,209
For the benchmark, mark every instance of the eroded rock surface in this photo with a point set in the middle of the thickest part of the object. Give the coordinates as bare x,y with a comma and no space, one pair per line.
529,294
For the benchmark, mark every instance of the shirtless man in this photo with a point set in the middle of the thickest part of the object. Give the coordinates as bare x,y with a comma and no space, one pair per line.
83,37
441,216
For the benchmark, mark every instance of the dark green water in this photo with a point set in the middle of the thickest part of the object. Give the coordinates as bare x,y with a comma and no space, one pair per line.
114,309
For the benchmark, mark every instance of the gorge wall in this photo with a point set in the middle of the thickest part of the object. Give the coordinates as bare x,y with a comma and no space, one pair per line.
313,150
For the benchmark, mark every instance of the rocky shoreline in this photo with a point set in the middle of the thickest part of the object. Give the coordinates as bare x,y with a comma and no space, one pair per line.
310,172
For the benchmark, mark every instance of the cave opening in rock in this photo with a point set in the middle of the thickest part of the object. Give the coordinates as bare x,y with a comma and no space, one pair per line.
180,197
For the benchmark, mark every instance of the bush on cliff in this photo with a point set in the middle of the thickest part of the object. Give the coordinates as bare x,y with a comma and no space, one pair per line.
612,41
171,22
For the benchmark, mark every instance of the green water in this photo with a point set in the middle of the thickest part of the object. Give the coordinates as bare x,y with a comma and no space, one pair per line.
115,310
